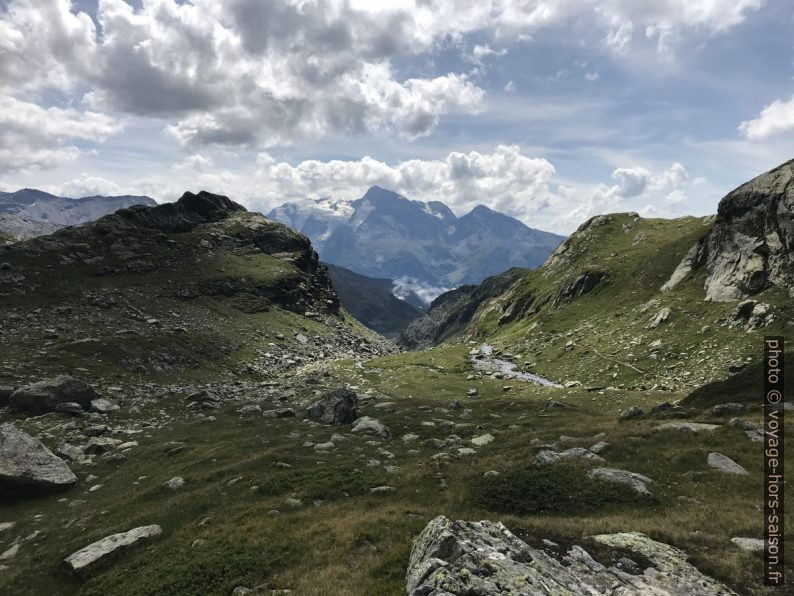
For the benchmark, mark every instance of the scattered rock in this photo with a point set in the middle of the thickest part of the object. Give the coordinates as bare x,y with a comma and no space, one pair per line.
723,463
175,483
750,545
279,413
638,482
103,406
726,409
482,440
599,447
379,490
27,466
371,426
688,426
336,407
661,317
88,558
69,407
632,413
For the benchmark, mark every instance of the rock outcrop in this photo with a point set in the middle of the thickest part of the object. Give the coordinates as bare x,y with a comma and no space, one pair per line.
88,558
46,395
486,558
27,466
749,248
336,407
452,311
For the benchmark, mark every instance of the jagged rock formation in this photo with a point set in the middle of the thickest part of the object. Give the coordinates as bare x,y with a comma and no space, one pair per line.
27,466
749,248
486,558
582,284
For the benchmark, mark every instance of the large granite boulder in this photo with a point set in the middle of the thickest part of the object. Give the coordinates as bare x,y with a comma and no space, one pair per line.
749,247
86,559
337,407
45,395
458,557
27,466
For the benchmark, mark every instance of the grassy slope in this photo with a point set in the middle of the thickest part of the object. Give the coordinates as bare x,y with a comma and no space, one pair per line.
602,338
356,543
201,338
371,301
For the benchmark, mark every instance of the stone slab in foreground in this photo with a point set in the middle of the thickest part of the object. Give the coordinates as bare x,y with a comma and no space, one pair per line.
459,557
87,558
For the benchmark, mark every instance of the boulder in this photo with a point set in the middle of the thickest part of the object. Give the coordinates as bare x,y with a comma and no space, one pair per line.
27,466
103,406
637,482
749,545
460,557
69,407
336,407
371,426
45,395
632,413
88,558
726,409
723,463
661,317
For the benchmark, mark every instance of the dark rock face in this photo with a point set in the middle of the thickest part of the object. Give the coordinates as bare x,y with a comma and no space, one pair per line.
583,284
453,310
749,248
336,407
45,396
27,466
458,557
182,216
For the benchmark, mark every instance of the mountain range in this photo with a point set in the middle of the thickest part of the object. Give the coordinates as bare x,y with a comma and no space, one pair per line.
29,212
424,246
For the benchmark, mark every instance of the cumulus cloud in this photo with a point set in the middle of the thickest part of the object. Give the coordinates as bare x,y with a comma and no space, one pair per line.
33,137
404,286
631,181
89,186
774,119
504,179
246,72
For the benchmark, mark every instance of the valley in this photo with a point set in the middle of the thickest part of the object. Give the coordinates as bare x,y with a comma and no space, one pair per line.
264,441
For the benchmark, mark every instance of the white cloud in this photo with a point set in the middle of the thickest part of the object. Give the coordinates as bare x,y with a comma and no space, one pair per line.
504,179
631,181
88,186
404,286
246,72
774,119
677,196
33,137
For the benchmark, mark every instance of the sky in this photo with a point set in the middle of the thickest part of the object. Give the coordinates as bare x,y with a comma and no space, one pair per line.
548,110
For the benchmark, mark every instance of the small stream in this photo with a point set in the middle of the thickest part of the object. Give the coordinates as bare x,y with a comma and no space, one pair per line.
483,361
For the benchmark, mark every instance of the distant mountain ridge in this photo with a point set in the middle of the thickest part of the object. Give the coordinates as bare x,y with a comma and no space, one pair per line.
29,212
424,244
